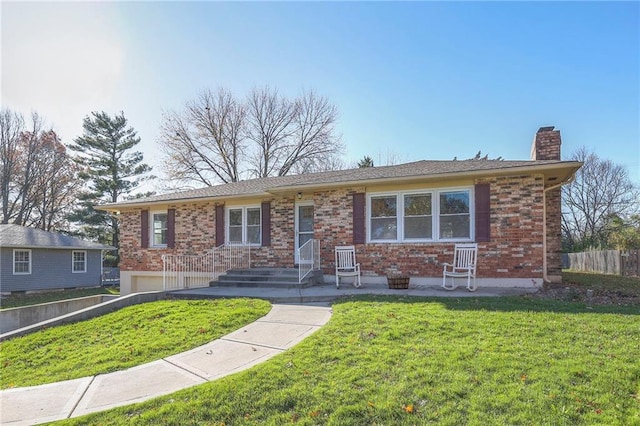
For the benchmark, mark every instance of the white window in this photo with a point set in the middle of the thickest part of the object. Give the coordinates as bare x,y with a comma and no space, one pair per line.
78,261
420,216
244,225
158,229
455,215
21,262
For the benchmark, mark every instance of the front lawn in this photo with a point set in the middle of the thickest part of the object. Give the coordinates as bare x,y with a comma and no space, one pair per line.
125,338
21,299
407,361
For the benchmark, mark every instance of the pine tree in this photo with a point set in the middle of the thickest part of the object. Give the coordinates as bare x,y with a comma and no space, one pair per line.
365,162
110,171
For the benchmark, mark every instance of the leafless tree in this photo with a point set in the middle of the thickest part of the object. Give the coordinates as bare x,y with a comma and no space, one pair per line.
270,128
217,138
316,143
38,179
205,142
600,192
56,184
11,126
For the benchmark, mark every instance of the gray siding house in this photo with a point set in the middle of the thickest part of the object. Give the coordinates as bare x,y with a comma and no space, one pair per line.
33,259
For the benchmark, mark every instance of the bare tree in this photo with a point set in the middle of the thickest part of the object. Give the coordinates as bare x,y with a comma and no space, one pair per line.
38,179
217,138
204,143
11,126
314,138
270,128
56,184
600,192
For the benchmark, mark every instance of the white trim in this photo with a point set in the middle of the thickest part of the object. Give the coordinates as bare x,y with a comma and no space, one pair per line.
152,213
435,214
296,224
227,224
14,262
73,261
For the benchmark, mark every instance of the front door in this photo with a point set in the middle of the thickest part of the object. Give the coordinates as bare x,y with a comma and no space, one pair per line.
304,225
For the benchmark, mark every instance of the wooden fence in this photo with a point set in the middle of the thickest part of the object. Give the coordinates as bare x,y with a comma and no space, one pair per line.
613,262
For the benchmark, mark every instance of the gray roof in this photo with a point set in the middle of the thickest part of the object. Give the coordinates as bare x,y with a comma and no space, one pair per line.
425,169
24,237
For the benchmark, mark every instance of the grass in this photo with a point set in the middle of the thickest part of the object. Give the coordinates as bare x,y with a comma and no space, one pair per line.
18,300
125,338
408,361
600,283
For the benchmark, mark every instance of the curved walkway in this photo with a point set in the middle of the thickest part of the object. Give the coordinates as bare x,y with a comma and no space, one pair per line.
283,327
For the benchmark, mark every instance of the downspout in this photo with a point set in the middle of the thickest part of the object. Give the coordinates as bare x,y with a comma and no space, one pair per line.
545,275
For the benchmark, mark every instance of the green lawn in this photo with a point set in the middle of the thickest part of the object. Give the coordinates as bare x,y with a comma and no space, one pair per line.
407,361
122,339
17,300
600,283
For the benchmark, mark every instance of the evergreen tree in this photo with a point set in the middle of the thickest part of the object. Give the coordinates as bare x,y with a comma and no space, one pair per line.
110,171
365,162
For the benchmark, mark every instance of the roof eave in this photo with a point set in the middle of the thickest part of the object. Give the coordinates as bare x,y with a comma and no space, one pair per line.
569,167
565,168
30,246
117,207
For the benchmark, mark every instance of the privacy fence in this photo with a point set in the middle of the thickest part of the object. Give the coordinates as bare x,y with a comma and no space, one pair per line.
613,262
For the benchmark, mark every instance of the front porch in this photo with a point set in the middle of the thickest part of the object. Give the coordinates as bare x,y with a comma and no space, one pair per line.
231,265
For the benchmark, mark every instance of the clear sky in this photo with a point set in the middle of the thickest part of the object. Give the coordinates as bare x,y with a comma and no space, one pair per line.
419,80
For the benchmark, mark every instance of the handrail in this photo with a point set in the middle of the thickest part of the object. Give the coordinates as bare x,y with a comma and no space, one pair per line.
188,271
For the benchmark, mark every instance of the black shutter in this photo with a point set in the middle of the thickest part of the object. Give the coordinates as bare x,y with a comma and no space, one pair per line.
219,225
483,212
266,224
171,228
359,236
144,228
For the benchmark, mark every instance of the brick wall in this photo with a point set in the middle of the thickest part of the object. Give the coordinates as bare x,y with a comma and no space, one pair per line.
546,144
515,249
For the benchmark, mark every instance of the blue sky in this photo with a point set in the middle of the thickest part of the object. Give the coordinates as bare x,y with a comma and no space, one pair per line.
416,80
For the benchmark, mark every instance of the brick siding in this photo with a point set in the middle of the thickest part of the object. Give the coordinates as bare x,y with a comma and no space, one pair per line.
515,249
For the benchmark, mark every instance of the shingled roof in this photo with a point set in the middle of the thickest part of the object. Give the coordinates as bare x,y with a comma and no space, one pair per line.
24,237
422,170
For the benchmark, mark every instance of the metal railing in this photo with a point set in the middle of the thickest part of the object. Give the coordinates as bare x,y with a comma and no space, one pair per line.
191,271
308,258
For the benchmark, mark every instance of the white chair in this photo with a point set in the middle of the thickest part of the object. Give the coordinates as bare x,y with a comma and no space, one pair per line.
464,265
346,265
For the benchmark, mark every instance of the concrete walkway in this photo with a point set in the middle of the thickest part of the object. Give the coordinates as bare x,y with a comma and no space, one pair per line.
283,327
329,292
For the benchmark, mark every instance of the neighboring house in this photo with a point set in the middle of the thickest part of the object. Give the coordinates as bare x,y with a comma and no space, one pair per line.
33,259
404,217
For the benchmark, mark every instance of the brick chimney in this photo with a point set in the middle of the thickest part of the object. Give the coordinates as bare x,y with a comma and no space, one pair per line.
546,144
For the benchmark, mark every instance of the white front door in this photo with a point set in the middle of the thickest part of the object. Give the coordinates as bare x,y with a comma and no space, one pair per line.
304,225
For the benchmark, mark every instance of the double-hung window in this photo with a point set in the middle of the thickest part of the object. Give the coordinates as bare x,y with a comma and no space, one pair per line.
21,262
245,225
455,215
78,261
159,229
420,216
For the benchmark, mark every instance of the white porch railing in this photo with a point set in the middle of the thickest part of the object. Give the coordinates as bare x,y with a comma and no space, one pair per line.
190,271
308,258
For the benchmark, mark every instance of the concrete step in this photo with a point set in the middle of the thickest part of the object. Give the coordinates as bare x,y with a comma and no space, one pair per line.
284,278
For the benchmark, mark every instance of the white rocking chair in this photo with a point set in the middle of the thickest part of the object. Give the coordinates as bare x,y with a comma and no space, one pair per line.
346,265
464,265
